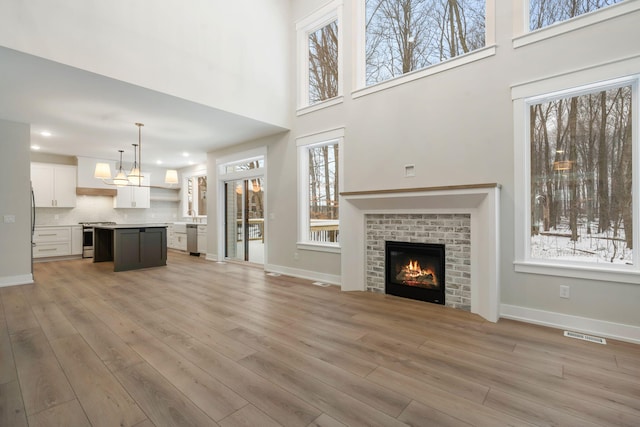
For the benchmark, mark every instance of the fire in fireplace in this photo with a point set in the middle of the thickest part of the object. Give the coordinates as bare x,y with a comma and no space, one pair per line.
415,270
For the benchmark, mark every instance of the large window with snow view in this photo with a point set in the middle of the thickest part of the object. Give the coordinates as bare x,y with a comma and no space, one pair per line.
319,167
402,36
582,163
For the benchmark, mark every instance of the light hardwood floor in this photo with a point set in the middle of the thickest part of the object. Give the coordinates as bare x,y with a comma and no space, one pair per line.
199,343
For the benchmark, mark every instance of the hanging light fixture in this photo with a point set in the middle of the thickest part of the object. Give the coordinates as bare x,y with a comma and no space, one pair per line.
171,177
121,178
135,176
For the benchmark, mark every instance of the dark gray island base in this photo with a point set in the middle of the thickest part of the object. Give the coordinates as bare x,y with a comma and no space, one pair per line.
131,246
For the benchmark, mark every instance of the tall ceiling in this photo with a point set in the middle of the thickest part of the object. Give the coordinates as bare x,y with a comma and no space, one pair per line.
91,115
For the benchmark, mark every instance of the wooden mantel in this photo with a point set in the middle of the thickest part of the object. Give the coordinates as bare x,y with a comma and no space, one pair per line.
420,189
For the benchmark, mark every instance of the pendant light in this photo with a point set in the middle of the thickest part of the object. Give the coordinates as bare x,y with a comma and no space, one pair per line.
135,176
121,178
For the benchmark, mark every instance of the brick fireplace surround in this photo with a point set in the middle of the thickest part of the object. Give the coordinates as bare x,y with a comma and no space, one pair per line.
465,218
451,230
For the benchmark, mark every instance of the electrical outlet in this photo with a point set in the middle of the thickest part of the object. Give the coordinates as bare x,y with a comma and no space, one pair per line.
564,291
9,219
295,255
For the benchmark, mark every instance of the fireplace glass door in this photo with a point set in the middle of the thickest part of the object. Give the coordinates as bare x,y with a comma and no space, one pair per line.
415,270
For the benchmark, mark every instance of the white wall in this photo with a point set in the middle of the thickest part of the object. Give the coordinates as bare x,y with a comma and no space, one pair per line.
230,55
457,128
15,200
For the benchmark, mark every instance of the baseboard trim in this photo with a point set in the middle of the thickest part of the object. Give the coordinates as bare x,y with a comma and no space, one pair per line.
601,328
332,279
23,279
211,257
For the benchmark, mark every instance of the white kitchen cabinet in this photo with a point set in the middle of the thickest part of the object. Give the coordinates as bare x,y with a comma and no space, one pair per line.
51,242
53,185
76,240
132,197
202,239
179,241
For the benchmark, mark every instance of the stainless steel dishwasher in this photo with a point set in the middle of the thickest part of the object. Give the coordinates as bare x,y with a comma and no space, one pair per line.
192,239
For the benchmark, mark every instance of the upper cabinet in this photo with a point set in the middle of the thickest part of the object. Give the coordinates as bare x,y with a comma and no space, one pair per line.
132,197
53,185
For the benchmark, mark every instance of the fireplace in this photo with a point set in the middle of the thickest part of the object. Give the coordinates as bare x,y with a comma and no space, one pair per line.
415,270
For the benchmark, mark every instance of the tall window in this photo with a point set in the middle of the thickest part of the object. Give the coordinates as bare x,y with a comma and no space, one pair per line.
543,13
581,199
323,63
319,56
319,170
407,35
196,196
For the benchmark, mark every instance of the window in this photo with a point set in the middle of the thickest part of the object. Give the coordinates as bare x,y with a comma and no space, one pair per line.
402,36
319,171
323,63
538,20
320,66
543,13
582,163
196,196
244,165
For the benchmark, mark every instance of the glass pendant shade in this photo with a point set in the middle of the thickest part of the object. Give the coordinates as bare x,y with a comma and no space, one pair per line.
121,178
134,176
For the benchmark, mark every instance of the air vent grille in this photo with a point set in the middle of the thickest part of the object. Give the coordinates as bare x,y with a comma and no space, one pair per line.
579,336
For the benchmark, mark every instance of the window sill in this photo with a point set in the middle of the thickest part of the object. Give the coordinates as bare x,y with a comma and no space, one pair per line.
620,275
318,247
320,105
449,64
576,23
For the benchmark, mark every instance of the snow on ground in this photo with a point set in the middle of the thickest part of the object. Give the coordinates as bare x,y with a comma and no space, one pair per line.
594,248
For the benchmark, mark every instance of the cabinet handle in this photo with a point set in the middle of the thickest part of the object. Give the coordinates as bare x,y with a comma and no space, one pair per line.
47,250
47,235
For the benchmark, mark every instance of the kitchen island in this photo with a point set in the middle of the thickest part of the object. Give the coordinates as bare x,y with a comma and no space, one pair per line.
131,246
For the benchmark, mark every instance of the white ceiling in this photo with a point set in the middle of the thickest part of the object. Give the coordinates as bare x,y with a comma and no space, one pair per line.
94,116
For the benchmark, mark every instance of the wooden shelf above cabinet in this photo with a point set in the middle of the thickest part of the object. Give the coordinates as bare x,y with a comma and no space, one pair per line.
83,191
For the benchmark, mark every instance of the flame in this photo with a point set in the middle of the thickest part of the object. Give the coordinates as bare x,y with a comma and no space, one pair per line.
413,270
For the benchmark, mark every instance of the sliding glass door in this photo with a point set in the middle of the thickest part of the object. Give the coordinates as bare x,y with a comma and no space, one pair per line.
244,220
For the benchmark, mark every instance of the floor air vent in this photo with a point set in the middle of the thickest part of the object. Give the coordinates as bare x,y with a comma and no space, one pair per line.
579,336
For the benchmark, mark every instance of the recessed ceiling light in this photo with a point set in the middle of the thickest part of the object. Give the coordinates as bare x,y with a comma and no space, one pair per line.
158,162
191,162
35,147
45,133
185,154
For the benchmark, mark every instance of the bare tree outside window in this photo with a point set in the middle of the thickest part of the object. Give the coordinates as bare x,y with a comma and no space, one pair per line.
323,193
323,63
581,177
543,13
408,35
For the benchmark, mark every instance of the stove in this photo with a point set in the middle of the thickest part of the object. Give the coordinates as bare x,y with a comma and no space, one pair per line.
87,236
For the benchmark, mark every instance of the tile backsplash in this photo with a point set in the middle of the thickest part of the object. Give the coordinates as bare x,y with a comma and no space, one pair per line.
100,208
